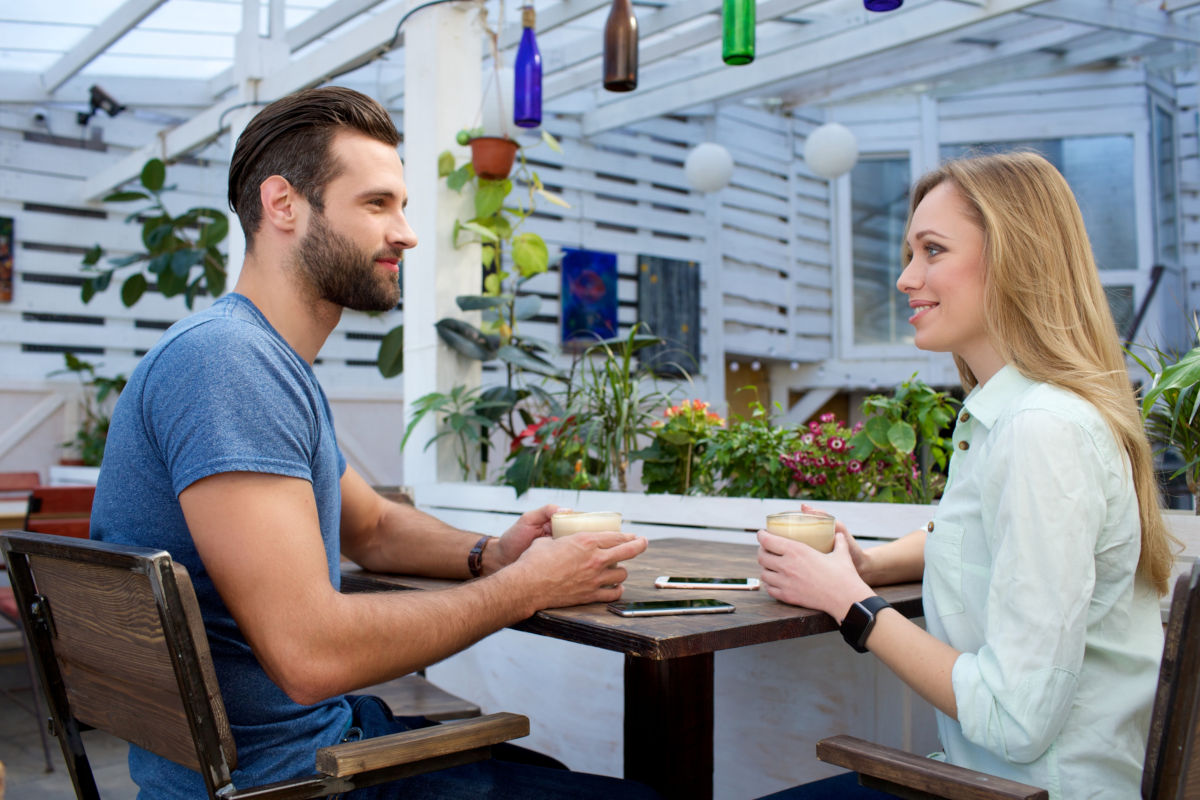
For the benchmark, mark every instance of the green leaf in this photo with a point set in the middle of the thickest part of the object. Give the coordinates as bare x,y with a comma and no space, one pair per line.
102,280
521,471
466,339
93,255
125,261
87,291
476,302
214,278
877,431
133,289
154,175
480,231
170,283
511,354
527,306
182,261
902,437
491,282
155,232
549,139
390,360
553,198
458,179
489,197
213,232
497,400
445,163
125,197
530,255
159,263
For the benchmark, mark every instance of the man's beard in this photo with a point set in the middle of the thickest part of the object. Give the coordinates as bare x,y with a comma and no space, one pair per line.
341,273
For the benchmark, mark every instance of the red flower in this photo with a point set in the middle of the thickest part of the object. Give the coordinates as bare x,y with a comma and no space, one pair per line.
837,444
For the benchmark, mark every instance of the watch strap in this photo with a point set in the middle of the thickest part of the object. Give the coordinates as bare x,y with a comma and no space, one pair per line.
859,621
475,557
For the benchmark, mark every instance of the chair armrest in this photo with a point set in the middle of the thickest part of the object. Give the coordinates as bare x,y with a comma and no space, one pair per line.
886,767
352,758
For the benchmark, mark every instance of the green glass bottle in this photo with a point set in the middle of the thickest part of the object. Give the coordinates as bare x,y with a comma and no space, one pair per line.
737,40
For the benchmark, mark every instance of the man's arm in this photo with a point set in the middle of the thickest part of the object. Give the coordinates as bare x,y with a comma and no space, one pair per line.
259,538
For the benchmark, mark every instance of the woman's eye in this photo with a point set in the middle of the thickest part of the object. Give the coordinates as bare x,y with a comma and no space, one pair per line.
932,250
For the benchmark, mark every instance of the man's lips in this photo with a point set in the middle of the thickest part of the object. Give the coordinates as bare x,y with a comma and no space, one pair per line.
390,263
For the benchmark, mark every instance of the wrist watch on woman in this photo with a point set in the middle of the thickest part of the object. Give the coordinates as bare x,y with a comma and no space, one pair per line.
859,621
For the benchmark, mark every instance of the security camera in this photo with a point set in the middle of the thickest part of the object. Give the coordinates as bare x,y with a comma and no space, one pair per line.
104,101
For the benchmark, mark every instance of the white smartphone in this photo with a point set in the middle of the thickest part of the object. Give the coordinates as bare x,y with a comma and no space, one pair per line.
654,608
674,582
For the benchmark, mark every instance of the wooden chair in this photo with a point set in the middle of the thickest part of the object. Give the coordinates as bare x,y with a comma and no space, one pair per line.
16,485
62,510
120,646
1172,765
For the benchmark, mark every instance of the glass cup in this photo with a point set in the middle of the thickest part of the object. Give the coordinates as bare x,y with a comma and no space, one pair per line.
814,528
565,523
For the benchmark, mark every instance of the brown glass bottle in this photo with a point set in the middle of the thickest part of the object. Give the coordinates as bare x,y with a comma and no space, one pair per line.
621,48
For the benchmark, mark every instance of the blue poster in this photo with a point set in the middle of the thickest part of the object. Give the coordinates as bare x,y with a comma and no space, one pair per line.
589,297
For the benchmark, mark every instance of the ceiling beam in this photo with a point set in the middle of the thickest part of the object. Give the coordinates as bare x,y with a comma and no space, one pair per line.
1122,20
314,27
719,82
859,80
110,29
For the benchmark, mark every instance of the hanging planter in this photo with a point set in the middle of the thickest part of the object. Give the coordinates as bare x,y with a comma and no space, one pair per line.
492,156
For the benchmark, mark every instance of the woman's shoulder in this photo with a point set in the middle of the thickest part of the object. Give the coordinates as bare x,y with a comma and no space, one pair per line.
1044,409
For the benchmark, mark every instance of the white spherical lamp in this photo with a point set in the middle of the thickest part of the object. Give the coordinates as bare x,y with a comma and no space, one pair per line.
831,150
708,167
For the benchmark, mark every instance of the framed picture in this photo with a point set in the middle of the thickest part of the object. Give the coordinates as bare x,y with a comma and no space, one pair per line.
669,305
589,297
6,259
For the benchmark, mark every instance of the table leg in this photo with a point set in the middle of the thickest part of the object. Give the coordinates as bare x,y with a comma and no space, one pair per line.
669,724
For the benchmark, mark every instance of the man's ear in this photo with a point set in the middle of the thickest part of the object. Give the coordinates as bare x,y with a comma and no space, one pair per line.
281,203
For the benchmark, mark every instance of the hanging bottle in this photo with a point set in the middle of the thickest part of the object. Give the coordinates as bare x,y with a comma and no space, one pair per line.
527,81
737,40
621,48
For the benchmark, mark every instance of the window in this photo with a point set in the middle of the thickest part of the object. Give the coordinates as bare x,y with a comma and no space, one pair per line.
1099,170
879,208
1166,207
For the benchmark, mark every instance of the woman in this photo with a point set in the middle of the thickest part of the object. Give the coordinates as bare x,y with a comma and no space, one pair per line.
1047,554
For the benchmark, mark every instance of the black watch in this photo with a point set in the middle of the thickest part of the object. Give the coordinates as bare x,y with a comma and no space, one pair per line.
859,621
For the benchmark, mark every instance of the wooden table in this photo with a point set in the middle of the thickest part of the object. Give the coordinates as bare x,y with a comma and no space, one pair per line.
669,660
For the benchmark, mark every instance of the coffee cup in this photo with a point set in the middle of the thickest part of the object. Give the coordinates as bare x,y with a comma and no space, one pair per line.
814,528
565,523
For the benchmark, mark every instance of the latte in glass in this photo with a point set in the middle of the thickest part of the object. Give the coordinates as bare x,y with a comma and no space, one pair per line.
813,528
565,523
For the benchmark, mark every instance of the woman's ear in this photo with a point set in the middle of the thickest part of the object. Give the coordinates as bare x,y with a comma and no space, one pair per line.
280,203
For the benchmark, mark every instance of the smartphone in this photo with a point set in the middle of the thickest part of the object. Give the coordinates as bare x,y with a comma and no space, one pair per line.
674,582
650,608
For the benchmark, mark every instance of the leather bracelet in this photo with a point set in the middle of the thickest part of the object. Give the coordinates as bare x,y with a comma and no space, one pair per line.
475,557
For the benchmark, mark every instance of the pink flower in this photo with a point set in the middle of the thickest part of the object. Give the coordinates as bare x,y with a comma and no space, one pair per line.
837,444
854,466
827,417
814,427
820,480
807,438
858,426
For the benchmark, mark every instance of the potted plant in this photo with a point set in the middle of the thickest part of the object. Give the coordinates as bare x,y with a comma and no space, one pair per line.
492,157
1171,409
95,405
175,246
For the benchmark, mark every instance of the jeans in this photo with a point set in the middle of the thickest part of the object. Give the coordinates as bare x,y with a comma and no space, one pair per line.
512,772
839,787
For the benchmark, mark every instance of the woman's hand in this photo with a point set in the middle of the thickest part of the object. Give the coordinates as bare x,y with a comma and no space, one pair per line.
862,561
797,574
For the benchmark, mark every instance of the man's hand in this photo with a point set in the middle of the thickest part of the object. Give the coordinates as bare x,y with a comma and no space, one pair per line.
573,570
508,548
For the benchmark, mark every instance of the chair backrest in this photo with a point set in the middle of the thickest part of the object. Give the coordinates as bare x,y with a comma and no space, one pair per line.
1172,767
18,484
61,510
119,645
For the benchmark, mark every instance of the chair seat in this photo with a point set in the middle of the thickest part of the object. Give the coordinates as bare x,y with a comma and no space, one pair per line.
416,696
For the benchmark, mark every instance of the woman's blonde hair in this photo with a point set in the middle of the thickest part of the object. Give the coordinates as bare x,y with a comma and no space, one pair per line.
1046,310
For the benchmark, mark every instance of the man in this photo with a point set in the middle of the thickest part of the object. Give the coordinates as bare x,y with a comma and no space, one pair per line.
222,451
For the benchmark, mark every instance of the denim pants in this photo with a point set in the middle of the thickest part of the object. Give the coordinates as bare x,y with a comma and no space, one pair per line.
512,772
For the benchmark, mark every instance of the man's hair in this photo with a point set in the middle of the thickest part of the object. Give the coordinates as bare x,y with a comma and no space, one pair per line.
1045,308
291,138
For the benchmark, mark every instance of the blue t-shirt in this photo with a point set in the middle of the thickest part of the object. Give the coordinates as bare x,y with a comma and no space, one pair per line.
222,391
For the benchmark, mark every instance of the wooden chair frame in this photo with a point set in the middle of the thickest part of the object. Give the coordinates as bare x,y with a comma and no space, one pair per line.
1172,765
119,645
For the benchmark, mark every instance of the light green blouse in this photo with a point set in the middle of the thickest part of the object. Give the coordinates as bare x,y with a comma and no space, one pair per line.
1030,568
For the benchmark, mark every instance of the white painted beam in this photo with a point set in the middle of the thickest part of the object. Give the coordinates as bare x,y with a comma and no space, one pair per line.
901,29
113,27
1122,20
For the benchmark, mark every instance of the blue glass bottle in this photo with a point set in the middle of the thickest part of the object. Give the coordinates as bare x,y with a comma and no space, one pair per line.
527,85
882,5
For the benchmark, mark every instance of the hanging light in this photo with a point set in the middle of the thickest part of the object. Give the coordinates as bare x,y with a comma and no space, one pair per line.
737,39
708,167
527,89
831,150
882,5
621,48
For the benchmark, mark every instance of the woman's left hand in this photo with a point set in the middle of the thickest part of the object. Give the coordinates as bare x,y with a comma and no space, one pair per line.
797,574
